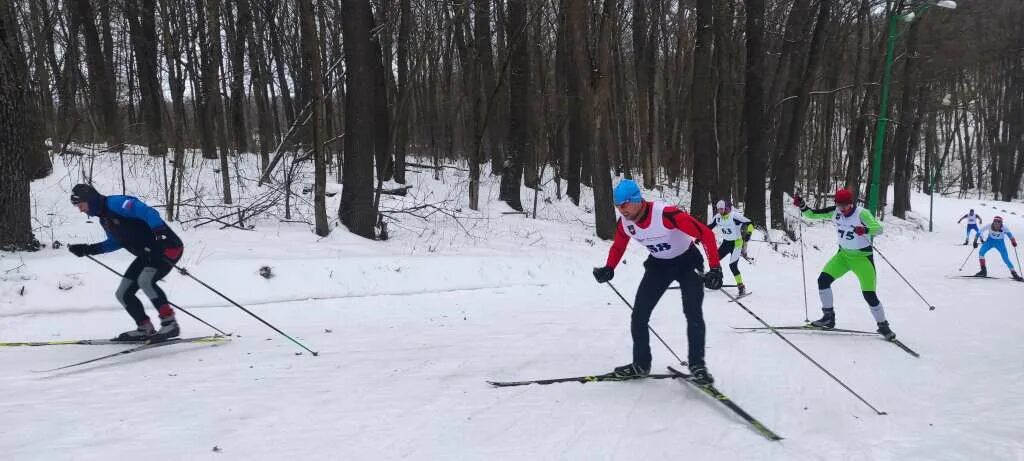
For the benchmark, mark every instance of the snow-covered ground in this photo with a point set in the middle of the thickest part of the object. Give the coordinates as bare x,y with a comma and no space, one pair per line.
409,329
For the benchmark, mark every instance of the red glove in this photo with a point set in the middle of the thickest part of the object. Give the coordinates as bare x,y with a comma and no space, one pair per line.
1013,242
860,230
173,253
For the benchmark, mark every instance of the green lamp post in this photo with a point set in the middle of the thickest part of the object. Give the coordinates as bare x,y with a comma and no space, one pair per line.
883,111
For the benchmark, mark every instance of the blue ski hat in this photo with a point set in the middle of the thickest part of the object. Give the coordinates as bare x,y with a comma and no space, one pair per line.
627,191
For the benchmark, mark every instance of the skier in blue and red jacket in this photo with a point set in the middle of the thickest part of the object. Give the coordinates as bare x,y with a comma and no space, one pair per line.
138,228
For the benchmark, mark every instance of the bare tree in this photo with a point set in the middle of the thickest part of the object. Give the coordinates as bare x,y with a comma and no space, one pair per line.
702,115
16,133
356,209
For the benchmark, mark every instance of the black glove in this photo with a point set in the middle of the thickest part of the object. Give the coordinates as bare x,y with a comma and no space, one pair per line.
603,274
713,278
81,249
798,201
975,243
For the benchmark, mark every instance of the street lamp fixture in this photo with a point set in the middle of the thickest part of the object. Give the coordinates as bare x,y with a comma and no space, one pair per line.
883,111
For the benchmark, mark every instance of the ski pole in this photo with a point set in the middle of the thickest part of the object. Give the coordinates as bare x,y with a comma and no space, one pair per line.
773,330
723,286
931,307
965,260
1018,257
168,302
656,335
803,270
188,274
769,241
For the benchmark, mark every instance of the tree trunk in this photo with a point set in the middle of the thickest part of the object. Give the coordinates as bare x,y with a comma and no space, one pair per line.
520,97
212,94
101,76
260,79
467,53
902,150
487,78
311,54
141,15
173,39
242,23
577,93
381,124
42,41
702,115
405,26
753,113
17,126
604,205
356,210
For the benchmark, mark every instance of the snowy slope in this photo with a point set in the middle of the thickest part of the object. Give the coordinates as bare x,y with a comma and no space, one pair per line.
409,329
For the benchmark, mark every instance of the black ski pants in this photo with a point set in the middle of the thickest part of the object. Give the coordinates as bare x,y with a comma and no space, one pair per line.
658,275
143,273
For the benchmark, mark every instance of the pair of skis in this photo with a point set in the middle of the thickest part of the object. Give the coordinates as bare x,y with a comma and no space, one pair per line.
837,331
140,346
981,277
706,388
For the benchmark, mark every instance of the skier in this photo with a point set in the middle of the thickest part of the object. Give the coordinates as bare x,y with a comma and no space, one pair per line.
997,232
857,227
972,224
134,226
734,227
669,235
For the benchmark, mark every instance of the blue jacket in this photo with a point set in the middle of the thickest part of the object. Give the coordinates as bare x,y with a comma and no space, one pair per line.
132,225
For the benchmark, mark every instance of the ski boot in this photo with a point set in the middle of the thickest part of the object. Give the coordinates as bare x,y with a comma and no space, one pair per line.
143,332
742,289
827,321
982,273
965,242
883,329
631,371
700,374
1016,276
168,329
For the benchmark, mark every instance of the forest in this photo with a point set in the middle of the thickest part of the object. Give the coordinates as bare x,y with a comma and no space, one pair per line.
746,100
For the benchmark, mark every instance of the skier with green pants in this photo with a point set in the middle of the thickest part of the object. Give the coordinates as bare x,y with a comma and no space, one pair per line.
857,227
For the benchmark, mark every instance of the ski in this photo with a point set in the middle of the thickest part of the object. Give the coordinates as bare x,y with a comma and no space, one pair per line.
812,328
739,297
608,377
714,393
971,277
69,342
837,331
200,339
903,346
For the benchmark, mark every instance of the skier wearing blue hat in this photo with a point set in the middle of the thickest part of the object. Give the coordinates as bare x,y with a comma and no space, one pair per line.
670,235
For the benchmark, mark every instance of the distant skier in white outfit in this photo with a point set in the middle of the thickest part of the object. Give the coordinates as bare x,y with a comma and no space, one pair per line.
735,229
972,224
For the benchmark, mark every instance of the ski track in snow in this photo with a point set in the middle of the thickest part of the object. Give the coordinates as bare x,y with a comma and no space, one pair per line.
408,333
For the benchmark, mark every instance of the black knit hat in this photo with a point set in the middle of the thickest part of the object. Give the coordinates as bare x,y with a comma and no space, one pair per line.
83,193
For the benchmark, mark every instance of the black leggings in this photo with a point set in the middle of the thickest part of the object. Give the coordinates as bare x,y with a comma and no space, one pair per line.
727,247
143,273
657,277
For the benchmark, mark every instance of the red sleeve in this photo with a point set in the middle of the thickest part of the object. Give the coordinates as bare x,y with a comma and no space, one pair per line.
618,246
676,219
